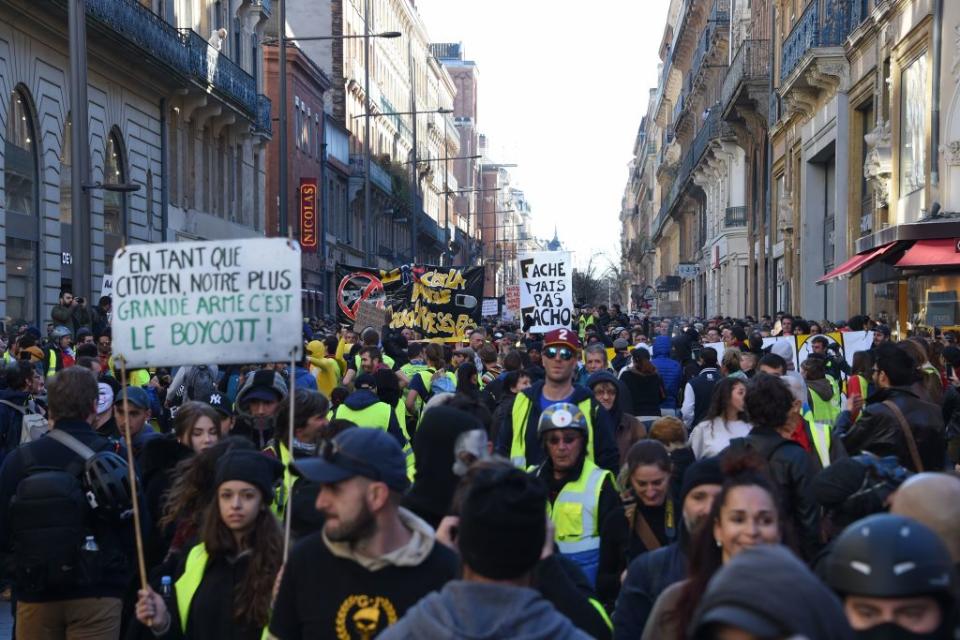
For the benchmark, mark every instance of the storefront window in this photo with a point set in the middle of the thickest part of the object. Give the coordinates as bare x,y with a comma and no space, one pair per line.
933,302
20,179
913,113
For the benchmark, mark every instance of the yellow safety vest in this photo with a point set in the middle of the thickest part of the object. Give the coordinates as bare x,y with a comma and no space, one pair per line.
826,411
7,358
51,363
574,512
377,416
283,493
187,585
820,435
519,417
584,322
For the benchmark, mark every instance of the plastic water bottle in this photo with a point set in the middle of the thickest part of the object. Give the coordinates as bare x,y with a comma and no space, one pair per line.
90,544
166,589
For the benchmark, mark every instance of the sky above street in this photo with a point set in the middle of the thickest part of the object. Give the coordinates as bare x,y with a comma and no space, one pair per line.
563,86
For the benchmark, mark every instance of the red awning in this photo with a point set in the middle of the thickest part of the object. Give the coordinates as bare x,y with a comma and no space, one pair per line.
941,252
856,263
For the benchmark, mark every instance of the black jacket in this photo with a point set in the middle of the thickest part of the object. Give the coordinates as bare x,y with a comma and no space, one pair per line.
115,539
879,432
648,575
792,471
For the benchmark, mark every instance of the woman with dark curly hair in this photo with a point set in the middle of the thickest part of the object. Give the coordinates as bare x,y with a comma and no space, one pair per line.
745,514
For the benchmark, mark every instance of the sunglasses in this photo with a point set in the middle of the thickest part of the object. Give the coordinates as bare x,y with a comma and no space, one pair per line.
566,438
565,353
331,452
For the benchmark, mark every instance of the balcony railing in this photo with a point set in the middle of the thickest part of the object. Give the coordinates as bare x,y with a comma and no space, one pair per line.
735,217
143,28
839,18
264,124
720,13
867,207
265,5
220,72
751,63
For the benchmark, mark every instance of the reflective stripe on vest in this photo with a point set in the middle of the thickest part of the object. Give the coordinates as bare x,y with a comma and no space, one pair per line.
820,435
519,417
189,582
574,512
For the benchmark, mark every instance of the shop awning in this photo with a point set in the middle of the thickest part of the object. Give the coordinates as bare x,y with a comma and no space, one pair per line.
941,252
856,263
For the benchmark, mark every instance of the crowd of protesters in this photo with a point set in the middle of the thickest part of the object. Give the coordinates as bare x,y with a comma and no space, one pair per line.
624,477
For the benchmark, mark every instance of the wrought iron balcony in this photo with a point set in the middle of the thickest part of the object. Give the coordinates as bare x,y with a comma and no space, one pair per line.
264,123
144,29
720,13
824,23
735,217
216,70
751,64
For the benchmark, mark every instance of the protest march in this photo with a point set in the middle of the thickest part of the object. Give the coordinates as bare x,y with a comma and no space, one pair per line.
198,459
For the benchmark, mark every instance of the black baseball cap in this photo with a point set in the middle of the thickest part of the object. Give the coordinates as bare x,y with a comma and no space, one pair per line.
358,451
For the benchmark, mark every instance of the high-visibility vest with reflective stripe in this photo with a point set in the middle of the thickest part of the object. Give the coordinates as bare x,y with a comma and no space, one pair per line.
826,411
574,512
188,583
584,322
820,435
519,417
283,492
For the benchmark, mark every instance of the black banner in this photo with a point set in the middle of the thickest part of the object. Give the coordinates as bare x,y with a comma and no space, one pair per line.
438,302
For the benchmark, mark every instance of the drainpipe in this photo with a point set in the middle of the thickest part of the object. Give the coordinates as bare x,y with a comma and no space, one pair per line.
164,178
935,102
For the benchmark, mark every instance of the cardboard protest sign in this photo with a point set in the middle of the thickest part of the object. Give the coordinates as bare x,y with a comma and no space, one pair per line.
439,302
546,290
491,307
511,307
223,302
370,314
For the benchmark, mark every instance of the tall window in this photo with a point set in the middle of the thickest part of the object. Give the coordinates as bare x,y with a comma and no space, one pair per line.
913,112
114,203
21,184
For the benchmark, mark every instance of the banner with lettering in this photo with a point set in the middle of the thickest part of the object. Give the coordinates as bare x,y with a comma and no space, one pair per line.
219,302
546,290
438,302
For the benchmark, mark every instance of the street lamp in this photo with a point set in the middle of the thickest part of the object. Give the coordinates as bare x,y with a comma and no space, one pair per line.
282,40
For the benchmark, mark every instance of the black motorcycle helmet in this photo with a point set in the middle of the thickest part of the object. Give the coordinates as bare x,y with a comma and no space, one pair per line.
108,484
890,556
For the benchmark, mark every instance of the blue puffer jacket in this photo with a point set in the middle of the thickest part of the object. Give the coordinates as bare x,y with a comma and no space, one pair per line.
669,369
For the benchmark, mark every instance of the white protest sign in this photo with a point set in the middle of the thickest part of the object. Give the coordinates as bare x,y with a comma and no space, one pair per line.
854,341
219,302
546,290
491,307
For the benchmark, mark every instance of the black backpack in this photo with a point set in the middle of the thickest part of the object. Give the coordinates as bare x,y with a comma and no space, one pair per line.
199,384
52,514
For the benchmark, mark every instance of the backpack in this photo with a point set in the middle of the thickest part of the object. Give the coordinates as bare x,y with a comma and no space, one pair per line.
30,427
199,383
51,517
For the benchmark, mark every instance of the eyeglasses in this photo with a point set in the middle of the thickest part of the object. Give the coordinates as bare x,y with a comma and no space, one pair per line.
565,353
566,438
331,452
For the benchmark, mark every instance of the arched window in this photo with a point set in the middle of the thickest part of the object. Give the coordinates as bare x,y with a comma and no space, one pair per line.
21,183
114,203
